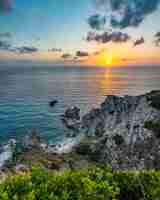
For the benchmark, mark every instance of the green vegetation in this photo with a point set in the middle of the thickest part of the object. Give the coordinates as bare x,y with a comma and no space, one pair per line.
89,184
154,98
153,126
118,139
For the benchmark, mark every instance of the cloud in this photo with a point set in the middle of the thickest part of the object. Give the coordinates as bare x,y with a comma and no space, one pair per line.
4,45
82,54
66,56
96,53
6,6
7,35
99,52
55,50
97,21
106,37
25,50
157,39
128,13
139,41
157,34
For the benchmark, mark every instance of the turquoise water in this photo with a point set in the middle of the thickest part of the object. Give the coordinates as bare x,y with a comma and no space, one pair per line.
25,93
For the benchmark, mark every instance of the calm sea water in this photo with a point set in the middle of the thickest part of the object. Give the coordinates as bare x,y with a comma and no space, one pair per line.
25,94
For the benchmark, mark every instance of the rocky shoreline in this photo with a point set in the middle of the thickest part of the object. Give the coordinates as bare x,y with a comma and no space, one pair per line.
124,133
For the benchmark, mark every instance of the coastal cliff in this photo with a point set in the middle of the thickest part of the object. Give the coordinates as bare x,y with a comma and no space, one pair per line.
124,132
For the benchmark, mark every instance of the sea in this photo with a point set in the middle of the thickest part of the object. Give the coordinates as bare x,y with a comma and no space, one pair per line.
25,94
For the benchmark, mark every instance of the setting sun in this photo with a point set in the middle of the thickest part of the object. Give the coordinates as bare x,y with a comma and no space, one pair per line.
109,60
105,59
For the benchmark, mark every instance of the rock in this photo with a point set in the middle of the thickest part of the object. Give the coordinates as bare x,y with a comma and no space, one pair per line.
71,120
53,103
32,140
21,168
118,139
71,124
124,116
72,113
119,126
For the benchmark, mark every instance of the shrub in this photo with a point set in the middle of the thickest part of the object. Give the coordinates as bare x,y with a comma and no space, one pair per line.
89,184
154,98
153,126
118,139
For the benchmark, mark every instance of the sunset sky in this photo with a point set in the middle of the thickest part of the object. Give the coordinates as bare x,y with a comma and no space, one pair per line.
80,32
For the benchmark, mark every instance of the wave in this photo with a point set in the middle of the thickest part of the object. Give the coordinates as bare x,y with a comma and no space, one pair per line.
6,152
66,145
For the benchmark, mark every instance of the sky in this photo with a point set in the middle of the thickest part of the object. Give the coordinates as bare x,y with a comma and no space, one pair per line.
80,32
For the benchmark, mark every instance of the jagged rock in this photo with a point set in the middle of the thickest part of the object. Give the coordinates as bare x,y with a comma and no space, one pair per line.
72,113
32,140
124,116
71,120
122,138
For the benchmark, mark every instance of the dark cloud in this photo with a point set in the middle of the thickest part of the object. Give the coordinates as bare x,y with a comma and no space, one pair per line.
26,50
106,37
4,45
139,41
157,42
66,56
5,35
96,53
55,50
157,34
128,13
6,6
82,54
97,21
157,39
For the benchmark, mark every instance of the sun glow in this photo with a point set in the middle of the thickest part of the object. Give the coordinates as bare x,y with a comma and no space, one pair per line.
109,60
105,59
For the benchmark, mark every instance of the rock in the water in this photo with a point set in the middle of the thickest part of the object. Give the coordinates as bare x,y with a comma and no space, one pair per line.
32,140
53,103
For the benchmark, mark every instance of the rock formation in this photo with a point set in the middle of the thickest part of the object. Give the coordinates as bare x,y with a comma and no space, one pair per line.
123,133
53,103
71,120
118,127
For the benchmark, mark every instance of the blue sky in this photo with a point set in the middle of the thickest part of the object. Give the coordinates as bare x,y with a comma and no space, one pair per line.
48,20
62,24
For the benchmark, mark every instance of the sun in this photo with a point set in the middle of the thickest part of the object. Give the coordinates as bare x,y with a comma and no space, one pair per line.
103,59
107,59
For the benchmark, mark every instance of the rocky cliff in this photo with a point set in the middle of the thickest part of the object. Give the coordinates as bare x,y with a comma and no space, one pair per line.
125,131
